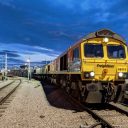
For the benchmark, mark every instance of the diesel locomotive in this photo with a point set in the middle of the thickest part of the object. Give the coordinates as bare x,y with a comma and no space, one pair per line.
93,70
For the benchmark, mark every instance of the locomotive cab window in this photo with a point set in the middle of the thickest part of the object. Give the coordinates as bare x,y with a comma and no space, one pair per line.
63,62
76,54
48,68
116,51
93,50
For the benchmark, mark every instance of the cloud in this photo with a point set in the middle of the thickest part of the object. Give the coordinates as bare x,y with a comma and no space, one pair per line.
36,53
38,57
9,53
8,3
44,29
42,48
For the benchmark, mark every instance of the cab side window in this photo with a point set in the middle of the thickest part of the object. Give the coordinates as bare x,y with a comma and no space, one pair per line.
76,54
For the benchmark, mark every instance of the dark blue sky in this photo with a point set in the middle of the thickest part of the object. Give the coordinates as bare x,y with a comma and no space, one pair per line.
42,29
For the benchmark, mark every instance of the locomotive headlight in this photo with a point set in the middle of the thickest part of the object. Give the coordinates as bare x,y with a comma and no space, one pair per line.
120,74
105,40
89,75
92,74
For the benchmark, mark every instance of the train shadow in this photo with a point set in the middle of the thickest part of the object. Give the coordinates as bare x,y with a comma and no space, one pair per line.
58,98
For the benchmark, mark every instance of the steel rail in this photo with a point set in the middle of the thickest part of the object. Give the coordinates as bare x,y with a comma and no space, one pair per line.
101,121
7,85
104,123
119,109
124,104
4,98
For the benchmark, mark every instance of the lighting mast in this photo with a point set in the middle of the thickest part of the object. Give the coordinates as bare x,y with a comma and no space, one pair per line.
6,69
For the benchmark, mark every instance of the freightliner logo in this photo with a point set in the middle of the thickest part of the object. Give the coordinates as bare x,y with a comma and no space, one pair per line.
105,66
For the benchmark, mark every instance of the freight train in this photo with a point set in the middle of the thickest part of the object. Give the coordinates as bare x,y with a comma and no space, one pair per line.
93,70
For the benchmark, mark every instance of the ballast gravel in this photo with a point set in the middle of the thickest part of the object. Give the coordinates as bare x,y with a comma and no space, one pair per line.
4,83
31,109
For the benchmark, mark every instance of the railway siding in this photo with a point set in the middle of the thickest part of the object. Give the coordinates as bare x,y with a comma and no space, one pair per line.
31,108
5,83
7,90
7,93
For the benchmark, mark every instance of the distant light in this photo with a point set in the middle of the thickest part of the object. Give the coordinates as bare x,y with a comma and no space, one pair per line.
28,60
105,40
2,70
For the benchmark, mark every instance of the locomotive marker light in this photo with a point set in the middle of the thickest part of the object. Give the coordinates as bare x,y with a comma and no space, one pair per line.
105,39
87,75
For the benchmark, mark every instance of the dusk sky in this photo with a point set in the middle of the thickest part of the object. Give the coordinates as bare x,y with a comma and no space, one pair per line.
43,29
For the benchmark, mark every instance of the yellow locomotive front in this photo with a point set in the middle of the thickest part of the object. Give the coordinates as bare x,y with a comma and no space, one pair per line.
104,65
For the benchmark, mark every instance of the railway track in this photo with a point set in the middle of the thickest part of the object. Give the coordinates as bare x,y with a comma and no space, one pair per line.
6,85
106,116
113,115
100,121
124,104
76,105
6,94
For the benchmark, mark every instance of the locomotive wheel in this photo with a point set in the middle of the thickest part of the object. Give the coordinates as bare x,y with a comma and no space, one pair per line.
50,81
122,91
80,97
68,89
75,92
117,96
63,84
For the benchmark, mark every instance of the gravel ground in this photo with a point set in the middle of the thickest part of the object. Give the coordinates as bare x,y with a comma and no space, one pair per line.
31,109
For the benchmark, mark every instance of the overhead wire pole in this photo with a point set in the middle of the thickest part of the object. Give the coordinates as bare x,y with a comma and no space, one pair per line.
1,62
29,70
6,68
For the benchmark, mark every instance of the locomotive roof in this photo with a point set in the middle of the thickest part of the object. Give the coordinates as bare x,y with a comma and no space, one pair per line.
100,33
104,33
